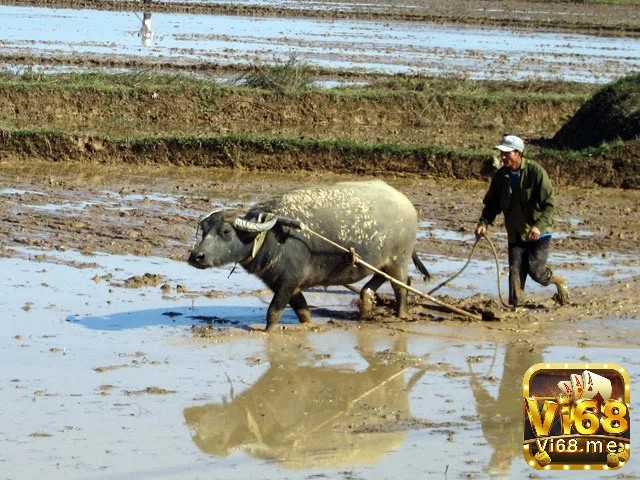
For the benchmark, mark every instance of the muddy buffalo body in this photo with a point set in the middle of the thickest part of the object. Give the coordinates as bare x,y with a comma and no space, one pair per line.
378,222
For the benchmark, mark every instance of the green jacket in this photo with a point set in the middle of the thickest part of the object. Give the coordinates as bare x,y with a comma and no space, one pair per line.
531,203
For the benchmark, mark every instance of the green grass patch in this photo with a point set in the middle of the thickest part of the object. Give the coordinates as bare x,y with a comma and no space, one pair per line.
291,75
293,78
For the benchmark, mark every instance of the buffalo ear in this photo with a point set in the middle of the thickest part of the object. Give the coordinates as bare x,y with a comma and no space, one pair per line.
210,220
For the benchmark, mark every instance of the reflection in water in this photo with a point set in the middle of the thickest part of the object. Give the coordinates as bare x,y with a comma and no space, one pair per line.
145,33
502,417
303,416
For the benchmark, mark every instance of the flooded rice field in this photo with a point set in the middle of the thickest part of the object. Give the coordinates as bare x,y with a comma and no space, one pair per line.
380,46
120,360
106,381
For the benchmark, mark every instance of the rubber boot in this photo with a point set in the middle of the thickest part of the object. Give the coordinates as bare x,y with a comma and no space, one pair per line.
517,279
563,289
516,295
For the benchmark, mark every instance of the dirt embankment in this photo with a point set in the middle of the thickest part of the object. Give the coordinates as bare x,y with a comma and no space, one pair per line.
611,171
458,120
426,132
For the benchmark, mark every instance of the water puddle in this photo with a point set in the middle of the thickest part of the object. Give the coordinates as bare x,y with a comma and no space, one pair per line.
404,47
15,191
101,347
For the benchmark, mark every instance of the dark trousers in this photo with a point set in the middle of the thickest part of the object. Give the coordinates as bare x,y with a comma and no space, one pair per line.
527,258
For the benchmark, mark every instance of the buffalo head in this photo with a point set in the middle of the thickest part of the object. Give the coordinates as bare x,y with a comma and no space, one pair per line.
226,241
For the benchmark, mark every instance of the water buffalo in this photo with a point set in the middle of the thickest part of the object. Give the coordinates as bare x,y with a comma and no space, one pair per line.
334,415
371,217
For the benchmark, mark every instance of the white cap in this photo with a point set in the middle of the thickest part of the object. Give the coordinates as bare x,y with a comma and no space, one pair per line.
510,143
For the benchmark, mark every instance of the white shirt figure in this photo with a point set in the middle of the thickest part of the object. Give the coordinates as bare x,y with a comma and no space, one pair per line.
145,33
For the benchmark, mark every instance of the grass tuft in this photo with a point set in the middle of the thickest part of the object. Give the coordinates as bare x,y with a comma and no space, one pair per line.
289,76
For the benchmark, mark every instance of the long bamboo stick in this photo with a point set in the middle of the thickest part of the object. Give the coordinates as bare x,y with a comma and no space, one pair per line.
358,259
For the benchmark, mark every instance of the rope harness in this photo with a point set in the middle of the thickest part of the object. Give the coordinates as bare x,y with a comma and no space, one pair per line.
357,259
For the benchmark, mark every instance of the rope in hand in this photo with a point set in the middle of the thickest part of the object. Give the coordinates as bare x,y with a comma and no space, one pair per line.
495,256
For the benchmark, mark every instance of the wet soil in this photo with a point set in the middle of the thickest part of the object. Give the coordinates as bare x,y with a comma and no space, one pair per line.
124,210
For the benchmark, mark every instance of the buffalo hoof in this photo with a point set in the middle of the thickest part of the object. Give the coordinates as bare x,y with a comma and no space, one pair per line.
367,302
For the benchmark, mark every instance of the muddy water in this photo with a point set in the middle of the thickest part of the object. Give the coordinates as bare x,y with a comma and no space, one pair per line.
374,46
103,377
122,366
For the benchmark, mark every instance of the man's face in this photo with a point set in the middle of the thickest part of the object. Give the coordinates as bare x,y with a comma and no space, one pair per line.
511,160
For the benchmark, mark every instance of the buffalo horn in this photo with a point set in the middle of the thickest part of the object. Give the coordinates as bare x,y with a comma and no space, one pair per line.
208,215
202,219
265,222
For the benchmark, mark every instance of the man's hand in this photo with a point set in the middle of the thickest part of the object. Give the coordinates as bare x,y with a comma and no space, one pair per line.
534,234
481,231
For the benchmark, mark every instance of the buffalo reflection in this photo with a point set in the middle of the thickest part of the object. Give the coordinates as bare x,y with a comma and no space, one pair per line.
303,416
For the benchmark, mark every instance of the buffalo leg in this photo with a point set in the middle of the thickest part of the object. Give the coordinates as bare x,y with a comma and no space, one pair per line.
274,312
367,294
401,297
299,305
401,274
281,298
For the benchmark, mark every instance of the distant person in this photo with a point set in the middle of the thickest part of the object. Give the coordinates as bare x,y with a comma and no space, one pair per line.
522,191
145,33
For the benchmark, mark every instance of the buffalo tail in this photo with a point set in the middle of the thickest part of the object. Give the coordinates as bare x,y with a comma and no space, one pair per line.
420,266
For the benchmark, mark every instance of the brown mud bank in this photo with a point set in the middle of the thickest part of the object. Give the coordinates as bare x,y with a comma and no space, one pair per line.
427,128
618,167
461,114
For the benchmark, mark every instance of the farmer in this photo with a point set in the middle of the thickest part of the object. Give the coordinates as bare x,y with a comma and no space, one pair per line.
145,33
522,191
